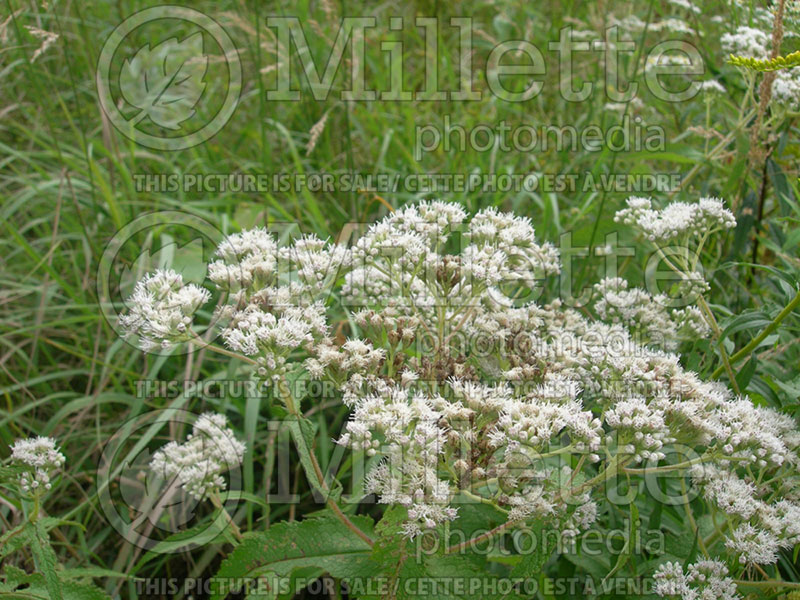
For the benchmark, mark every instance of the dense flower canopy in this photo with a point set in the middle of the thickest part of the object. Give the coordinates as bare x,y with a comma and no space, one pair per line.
462,382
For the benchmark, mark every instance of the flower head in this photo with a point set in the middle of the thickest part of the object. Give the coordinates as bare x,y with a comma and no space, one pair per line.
197,465
39,458
161,309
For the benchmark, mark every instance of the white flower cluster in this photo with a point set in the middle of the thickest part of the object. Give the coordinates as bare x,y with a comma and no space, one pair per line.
677,220
273,334
507,242
755,43
412,445
786,88
161,309
353,357
500,249
746,41
673,59
40,458
456,389
246,260
649,317
197,465
633,24
712,87
315,262
570,369
640,427
753,545
767,516
703,580
273,305
686,5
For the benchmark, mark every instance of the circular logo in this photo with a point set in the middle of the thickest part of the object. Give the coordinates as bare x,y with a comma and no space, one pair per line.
154,512
171,239
169,77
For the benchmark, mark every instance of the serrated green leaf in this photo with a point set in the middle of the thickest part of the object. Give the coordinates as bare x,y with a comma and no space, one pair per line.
45,560
15,539
533,561
35,585
324,543
421,571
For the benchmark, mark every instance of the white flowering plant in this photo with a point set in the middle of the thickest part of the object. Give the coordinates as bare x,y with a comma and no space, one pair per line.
421,408
473,402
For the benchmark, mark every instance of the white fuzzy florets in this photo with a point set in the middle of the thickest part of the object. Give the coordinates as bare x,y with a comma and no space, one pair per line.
197,465
161,309
703,580
456,389
40,458
746,41
246,258
677,219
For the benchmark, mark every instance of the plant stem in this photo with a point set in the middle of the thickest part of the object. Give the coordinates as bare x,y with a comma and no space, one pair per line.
736,357
200,343
324,486
712,321
478,539
771,583
692,522
35,512
482,500
217,502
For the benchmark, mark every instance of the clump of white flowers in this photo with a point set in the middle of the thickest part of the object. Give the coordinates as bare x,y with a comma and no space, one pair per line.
197,464
40,459
245,260
649,317
677,220
746,41
712,87
703,580
786,88
161,309
462,383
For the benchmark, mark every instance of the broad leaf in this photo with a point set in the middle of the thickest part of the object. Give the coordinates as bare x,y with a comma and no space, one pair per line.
45,560
17,583
324,543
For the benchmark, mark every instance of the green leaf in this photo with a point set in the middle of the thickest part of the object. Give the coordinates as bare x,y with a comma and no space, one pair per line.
15,539
323,542
303,431
628,548
18,583
10,472
533,561
745,374
744,321
420,571
45,560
